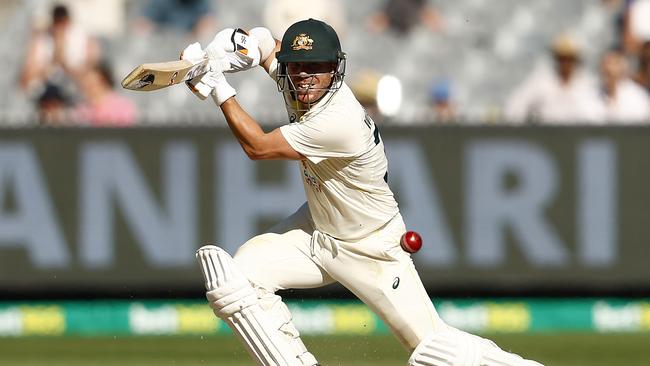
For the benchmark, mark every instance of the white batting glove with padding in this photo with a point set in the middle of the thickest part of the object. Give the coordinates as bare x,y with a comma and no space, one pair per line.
195,55
214,84
265,40
198,87
240,48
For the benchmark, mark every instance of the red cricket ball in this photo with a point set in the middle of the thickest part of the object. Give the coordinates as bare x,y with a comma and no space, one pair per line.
411,241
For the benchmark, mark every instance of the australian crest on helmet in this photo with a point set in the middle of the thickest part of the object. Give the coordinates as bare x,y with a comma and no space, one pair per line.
302,42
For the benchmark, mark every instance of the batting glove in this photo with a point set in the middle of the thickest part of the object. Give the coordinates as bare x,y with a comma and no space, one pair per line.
214,84
240,48
195,54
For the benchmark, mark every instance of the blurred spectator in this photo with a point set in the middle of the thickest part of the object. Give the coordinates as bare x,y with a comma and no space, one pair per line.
364,87
53,106
100,18
563,95
188,16
401,16
280,14
642,75
442,106
57,54
625,101
636,24
613,4
102,106
617,10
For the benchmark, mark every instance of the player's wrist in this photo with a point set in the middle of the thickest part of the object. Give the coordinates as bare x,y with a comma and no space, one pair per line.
228,103
221,89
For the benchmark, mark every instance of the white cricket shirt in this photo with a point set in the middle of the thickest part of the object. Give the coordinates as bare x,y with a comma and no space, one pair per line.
345,173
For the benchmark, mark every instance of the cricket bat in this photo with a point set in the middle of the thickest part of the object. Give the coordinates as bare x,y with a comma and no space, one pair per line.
154,76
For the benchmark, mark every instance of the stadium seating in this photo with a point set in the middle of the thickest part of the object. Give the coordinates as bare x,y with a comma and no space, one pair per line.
485,49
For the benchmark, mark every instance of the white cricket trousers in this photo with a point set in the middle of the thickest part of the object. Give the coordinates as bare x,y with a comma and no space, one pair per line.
375,269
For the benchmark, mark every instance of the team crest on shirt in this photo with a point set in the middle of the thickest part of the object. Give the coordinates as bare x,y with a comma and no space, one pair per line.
302,42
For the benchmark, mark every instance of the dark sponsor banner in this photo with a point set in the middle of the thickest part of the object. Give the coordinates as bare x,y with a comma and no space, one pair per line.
561,208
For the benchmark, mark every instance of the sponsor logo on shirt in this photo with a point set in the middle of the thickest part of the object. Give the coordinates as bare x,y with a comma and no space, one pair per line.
311,179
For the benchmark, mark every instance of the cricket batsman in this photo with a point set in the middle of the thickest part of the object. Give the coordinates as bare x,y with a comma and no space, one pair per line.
349,229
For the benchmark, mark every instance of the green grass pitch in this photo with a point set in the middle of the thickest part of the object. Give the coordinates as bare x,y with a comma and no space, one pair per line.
551,349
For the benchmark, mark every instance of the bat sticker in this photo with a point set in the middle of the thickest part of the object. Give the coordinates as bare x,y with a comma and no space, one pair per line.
196,71
144,81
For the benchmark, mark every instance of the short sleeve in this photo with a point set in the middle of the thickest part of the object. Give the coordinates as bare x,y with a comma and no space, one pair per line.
322,137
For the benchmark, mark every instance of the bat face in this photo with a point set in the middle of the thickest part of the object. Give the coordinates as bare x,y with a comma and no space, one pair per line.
154,76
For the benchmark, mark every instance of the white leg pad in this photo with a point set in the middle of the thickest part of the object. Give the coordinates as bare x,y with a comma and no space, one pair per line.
233,299
282,321
453,347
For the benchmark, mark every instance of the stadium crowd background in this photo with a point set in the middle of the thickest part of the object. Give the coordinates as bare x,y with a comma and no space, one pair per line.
409,61
536,233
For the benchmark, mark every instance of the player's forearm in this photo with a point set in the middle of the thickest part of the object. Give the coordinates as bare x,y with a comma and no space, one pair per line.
247,131
257,144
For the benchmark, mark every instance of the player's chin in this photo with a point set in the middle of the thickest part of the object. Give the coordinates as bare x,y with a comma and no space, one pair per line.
309,97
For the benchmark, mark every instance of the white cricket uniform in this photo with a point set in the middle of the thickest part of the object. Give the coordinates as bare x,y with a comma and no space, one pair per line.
345,173
349,229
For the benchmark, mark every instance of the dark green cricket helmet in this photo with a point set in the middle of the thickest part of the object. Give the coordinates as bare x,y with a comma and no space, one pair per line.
306,41
310,40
